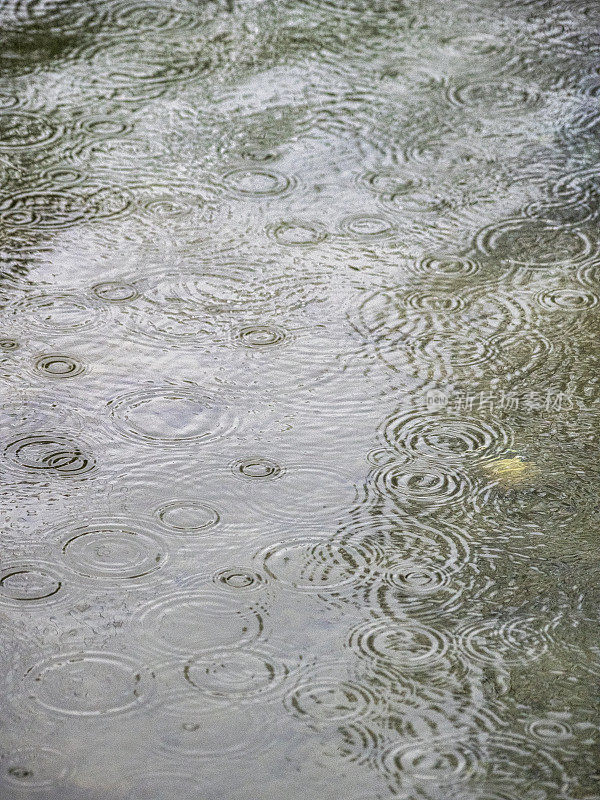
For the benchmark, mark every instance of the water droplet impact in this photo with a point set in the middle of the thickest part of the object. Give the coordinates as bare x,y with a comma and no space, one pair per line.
58,366
367,226
115,292
153,16
401,645
20,130
187,516
427,485
28,582
255,182
89,684
52,453
505,95
169,416
432,764
198,622
105,126
567,299
503,643
442,435
32,769
199,726
549,730
9,344
51,210
298,233
230,674
533,244
234,578
56,312
113,549
310,565
320,700
257,468
259,336
446,268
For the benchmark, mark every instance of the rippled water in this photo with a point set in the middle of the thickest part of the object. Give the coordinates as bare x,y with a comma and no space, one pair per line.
300,399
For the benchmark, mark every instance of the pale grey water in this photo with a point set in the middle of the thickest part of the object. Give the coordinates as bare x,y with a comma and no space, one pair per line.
299,400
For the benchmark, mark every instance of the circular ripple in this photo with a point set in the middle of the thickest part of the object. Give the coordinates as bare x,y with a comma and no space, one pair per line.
199,622
170,416
532,243
416,588
437,762
446,268
514,761
477,44
239,578
88,684
448,352
55,312
390,182
435,303
19,130
550,730
308,492
105,126
187,516
260,336
444,435
297,233
367,226
34,768
113,549
52,210
115,292
519,641
567,299
444,548
167,207
53,453
563,214
62,176
309,565
322,699
257,182
108,202
44,15
57,366
424,484
9,344
230,674
140,67
152,16
402,644
504,95
257,468
233,288
28,582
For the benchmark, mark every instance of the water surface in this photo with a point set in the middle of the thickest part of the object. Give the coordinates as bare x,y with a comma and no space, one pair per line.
299,305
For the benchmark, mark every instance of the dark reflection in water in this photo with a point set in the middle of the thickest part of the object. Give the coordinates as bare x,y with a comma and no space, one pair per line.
299,305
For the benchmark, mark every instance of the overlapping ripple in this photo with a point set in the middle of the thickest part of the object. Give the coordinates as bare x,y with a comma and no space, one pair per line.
299,396
170,416
184,623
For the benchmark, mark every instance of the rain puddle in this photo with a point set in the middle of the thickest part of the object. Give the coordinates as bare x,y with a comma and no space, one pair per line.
298,470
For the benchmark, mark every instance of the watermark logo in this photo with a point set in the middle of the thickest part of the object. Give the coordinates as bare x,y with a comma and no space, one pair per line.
436,399
548,400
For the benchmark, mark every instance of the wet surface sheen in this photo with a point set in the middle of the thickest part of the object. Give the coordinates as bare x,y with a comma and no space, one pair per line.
299,488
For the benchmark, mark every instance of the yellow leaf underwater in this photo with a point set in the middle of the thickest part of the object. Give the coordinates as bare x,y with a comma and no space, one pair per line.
509,471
